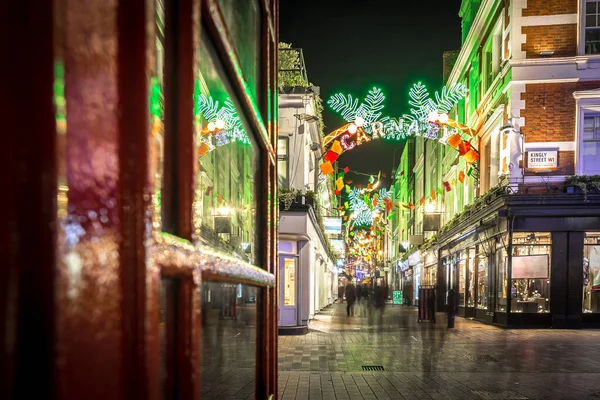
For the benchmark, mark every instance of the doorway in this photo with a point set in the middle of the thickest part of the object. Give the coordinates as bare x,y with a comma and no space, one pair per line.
288,290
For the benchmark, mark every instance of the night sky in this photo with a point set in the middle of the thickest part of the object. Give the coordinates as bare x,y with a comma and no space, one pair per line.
350,46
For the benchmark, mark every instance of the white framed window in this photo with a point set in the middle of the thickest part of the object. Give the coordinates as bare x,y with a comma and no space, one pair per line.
591,22
590,143
283,145
587,154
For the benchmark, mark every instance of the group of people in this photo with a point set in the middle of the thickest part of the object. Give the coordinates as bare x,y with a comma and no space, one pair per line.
374,296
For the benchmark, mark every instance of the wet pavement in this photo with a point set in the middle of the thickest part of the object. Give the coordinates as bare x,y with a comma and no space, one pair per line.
392,356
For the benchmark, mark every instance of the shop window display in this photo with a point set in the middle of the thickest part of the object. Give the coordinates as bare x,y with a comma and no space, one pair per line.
501,281
482,282
591,273
471,278
530,284
462,274
224,199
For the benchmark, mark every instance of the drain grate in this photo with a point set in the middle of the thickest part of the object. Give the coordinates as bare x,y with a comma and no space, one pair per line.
373,368
498,394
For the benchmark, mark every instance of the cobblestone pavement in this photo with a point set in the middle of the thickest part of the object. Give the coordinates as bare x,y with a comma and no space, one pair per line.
427,361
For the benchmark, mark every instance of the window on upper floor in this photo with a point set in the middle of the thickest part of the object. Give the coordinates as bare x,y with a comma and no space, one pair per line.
283,161
491,56
592,27
474,82
590,145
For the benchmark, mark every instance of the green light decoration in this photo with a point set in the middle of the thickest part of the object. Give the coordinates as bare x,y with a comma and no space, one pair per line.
369,110
364,206
226,123
366,117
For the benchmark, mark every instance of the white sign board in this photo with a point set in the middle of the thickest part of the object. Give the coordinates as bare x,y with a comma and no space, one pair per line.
530,267
542,159
333,225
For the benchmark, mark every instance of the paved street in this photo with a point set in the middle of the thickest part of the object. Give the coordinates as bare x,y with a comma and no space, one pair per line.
425,361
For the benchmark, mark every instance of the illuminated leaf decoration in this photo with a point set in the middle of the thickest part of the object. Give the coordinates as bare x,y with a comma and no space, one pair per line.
450,97
422,103
370,110
346,106
360,209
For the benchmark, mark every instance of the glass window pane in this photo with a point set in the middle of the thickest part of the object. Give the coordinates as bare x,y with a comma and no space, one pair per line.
530,291
228,368
169,295
242,18
157,112
462,275
471,278
501,282
590,20
588,122
482,281
224,199
282,147
282,173
590,7
591,273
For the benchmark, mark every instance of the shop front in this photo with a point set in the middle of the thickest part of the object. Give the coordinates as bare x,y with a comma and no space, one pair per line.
524,266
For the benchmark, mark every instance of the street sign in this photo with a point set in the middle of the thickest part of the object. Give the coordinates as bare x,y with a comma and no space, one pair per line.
397,297
542,159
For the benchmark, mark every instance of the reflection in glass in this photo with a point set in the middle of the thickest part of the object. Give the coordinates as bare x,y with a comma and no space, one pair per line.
224,199
169,293
530,286
242,18
591,273
157,112
228,341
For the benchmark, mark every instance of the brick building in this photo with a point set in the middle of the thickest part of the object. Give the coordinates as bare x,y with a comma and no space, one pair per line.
520,241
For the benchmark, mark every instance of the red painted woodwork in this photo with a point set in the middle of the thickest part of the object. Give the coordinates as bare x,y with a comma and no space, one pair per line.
80,287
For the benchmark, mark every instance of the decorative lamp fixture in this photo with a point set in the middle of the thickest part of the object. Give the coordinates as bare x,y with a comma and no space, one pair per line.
443,118
352,128
359,121
211,126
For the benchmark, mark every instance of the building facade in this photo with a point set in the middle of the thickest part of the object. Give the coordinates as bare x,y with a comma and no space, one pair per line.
520,228
308,272
140,248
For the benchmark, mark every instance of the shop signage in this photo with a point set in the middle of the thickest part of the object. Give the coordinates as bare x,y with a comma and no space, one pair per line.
397,297
530,267
542,159
338,246
333,225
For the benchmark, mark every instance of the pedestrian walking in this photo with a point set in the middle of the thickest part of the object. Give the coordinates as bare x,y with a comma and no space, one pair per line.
358,293
350,298
451,307
379,298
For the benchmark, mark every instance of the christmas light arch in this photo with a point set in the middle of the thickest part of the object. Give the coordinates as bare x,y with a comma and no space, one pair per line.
428,118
